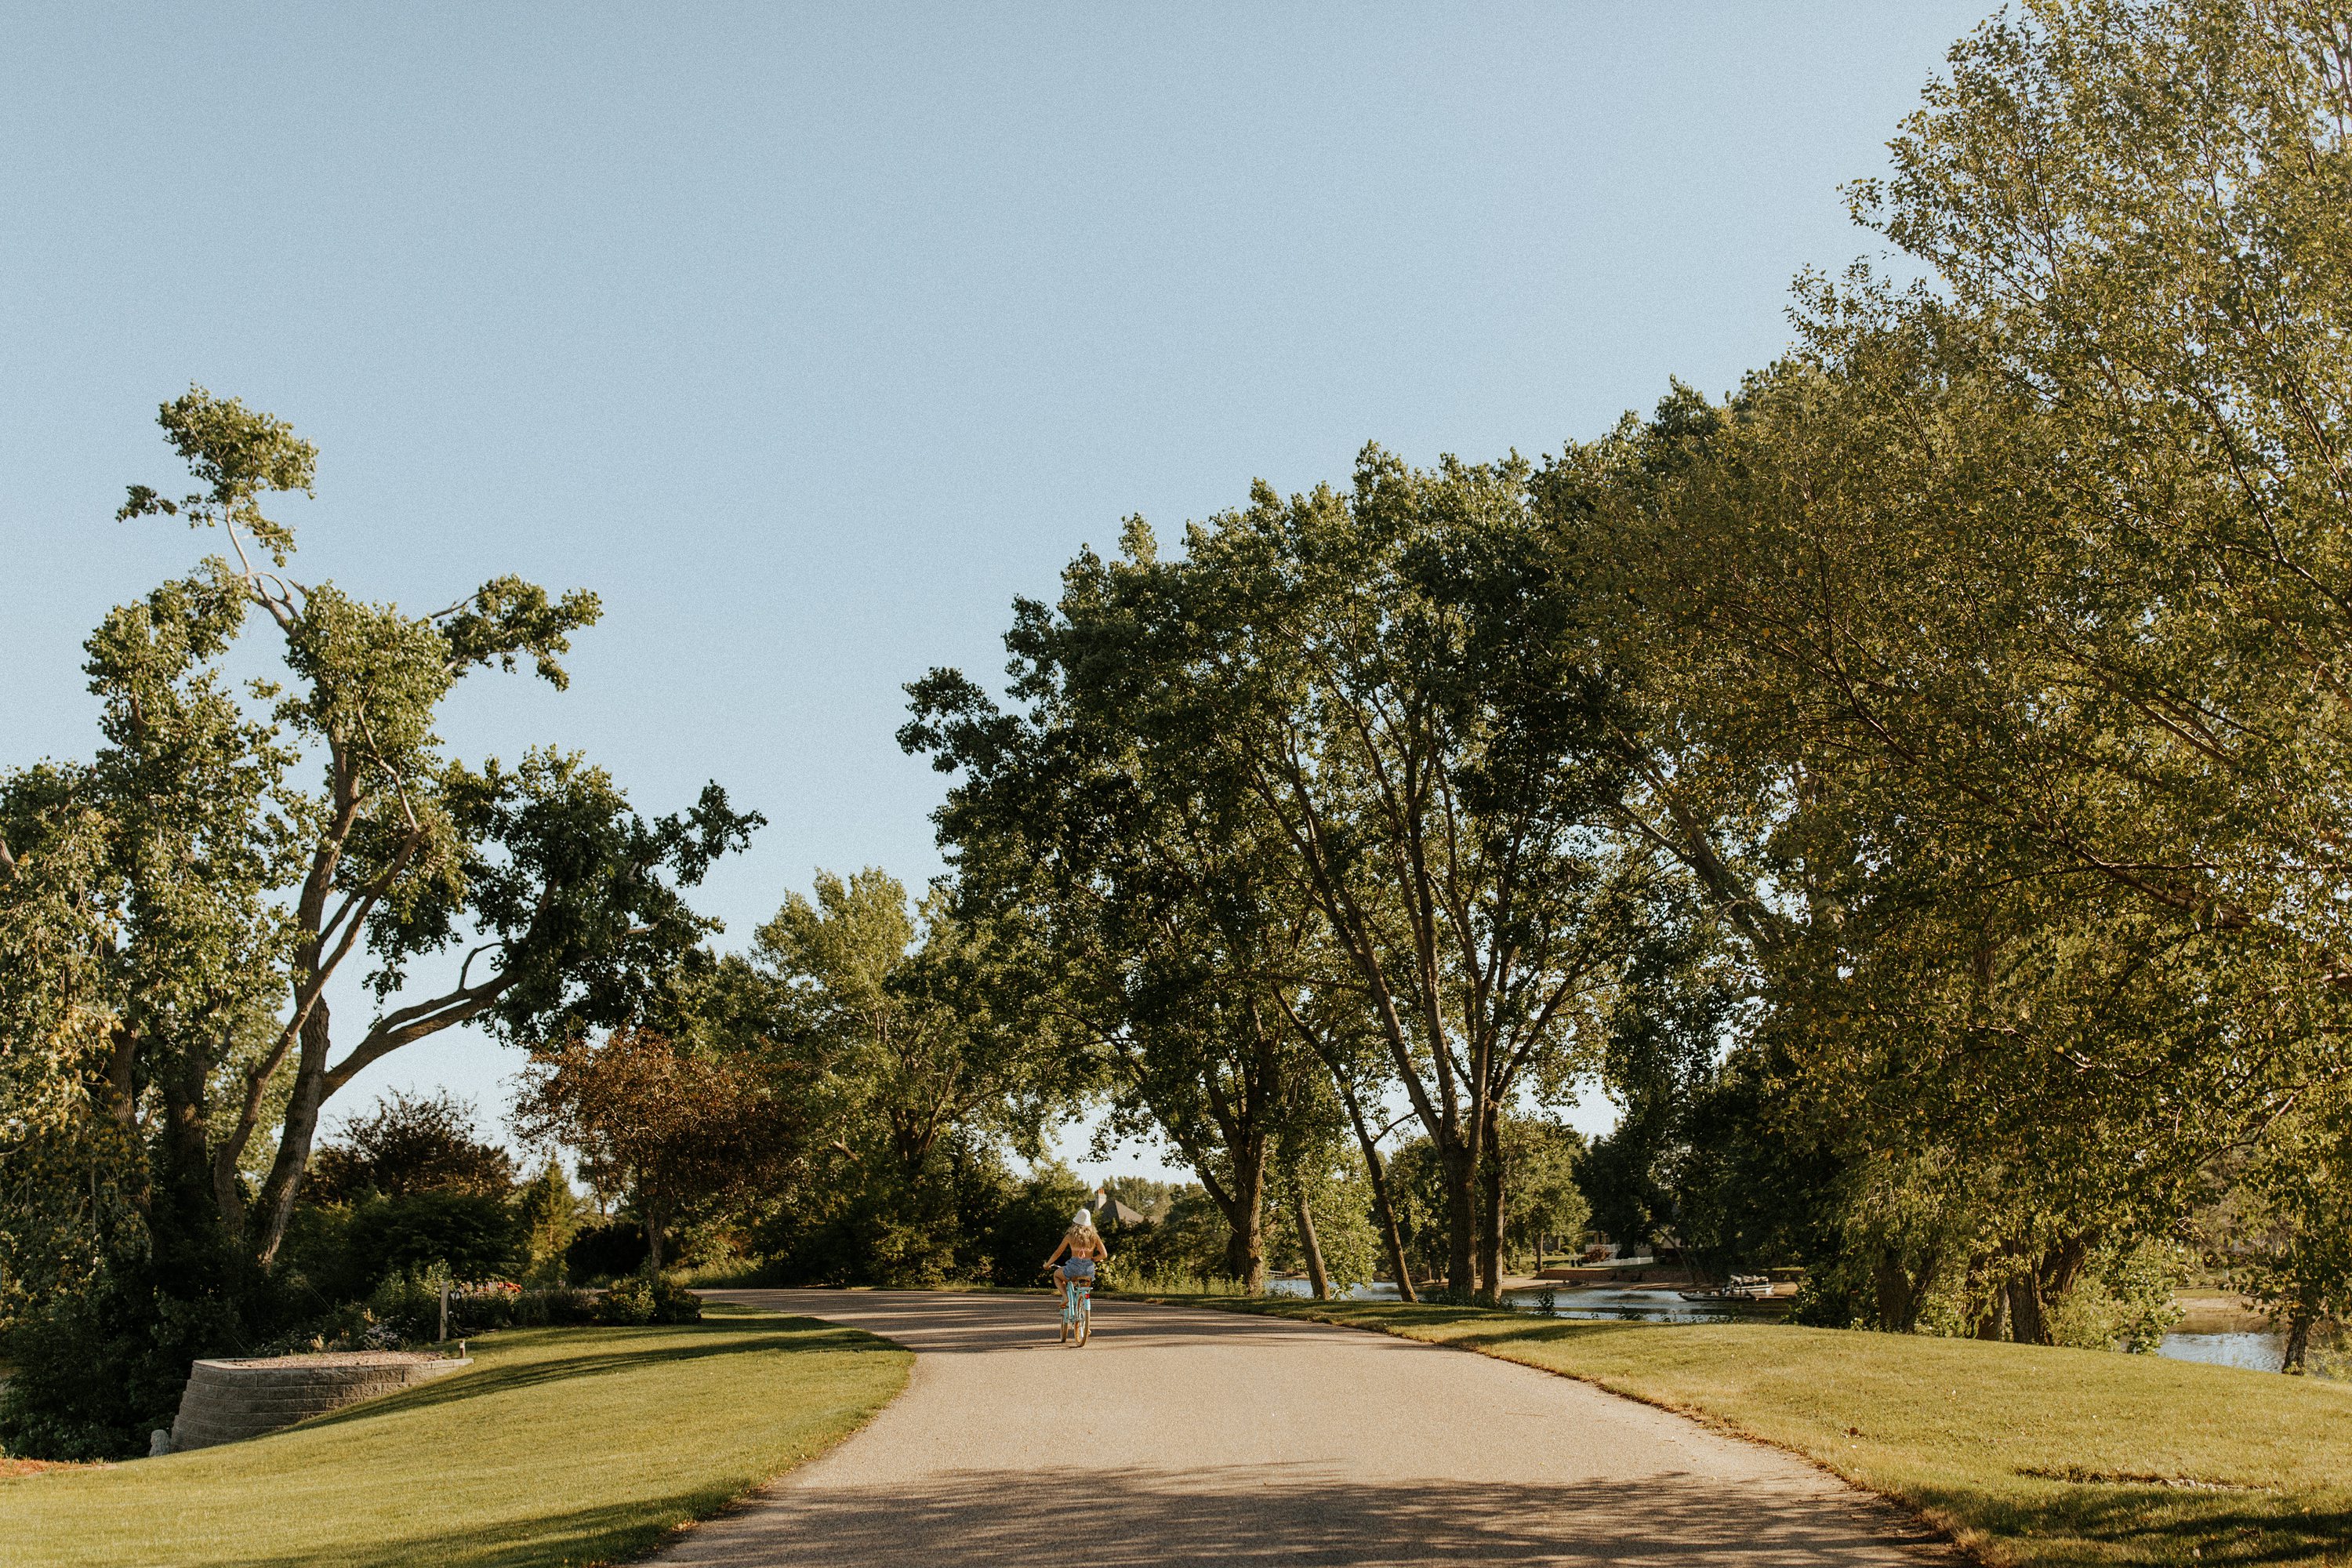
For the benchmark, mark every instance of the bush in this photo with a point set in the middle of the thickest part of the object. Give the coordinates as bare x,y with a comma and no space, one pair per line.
408,1306
871,1226
472,1236
341,1252
638,1300
2127,1300
98,1367
626,1303
1030,1226
554,1306
675,1304
1183,1251
605,1251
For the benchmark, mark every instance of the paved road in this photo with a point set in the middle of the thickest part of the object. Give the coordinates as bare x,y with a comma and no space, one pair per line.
1193,1437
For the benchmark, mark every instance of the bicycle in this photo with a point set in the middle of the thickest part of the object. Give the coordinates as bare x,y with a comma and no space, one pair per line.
1077,1311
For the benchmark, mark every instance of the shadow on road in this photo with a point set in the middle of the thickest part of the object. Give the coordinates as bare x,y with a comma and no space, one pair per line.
1127,1519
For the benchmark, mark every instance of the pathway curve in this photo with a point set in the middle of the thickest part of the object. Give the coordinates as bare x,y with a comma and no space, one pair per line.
1188,1436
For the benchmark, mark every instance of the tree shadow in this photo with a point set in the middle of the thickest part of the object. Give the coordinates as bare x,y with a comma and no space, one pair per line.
1134,1518
613,1534
2152,1521
734,1336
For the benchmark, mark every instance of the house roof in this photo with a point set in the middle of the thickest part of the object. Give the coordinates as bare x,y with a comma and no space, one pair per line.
1108,1210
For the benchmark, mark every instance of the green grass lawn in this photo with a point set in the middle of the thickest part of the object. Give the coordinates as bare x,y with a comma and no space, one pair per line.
559,1445
2024,1453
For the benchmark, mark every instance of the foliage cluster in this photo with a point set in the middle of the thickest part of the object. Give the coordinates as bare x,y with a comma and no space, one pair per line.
1913,783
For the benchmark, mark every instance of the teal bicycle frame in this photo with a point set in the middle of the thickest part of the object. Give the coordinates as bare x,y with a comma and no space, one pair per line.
1078,1296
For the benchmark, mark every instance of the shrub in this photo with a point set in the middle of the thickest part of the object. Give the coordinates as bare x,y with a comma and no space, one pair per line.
1031,1225
1183,1249
98,1367
2127,1300
340,1252
626,1303
605,1251
408,1306
638,1300
675,1304
473,1236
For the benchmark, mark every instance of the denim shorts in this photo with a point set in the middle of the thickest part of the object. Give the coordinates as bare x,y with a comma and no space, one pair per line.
1077,1267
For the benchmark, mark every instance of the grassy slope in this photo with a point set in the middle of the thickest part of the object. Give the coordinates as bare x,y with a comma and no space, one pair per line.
559,1445
2026,1455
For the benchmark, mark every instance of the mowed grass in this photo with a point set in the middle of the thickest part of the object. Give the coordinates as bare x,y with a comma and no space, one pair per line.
558,1447
2024,1453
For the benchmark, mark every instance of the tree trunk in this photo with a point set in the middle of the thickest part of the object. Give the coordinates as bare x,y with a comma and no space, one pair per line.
1898,1309
1316,1276
2027,1324
1989,1324
186,1156
1246,1250
2298,1341
1986,1325
275,1208
1461,1222
1392,1237
1246,1220
653,1243
1490,1216
123,1078
2062,1265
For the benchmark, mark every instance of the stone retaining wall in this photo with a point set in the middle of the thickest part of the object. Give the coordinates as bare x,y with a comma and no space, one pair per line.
226,1401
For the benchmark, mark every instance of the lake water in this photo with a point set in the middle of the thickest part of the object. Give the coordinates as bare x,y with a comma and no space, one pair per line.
1378,1291
2263,1352
2257,1351
1631,1306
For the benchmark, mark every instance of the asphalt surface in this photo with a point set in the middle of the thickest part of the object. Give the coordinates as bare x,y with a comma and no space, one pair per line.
1183,1436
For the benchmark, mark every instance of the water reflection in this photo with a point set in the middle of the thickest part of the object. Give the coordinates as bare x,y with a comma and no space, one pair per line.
1634,1306
1589,1301
2260,1352
1377,1290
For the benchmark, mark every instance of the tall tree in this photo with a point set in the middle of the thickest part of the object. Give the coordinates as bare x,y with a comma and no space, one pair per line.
1988,650
401,847
1401,684
690,1134
915,1021
1166,926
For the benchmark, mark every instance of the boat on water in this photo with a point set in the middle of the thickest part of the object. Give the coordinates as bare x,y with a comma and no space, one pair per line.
1739,1288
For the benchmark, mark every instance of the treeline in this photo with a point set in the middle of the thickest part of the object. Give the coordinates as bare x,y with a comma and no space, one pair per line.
1915,783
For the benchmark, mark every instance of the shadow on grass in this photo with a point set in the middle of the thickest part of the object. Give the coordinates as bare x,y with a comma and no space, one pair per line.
735,1336
2149,1522
614,1533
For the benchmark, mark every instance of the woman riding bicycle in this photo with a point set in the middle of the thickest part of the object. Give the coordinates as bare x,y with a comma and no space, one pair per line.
1083,1246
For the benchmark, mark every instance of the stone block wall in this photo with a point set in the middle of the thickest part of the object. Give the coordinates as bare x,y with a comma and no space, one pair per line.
226,1401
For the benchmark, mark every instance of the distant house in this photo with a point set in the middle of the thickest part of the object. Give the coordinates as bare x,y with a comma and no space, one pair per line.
1109,1212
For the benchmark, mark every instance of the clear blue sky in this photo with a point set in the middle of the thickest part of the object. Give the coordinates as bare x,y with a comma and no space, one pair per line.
809,336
